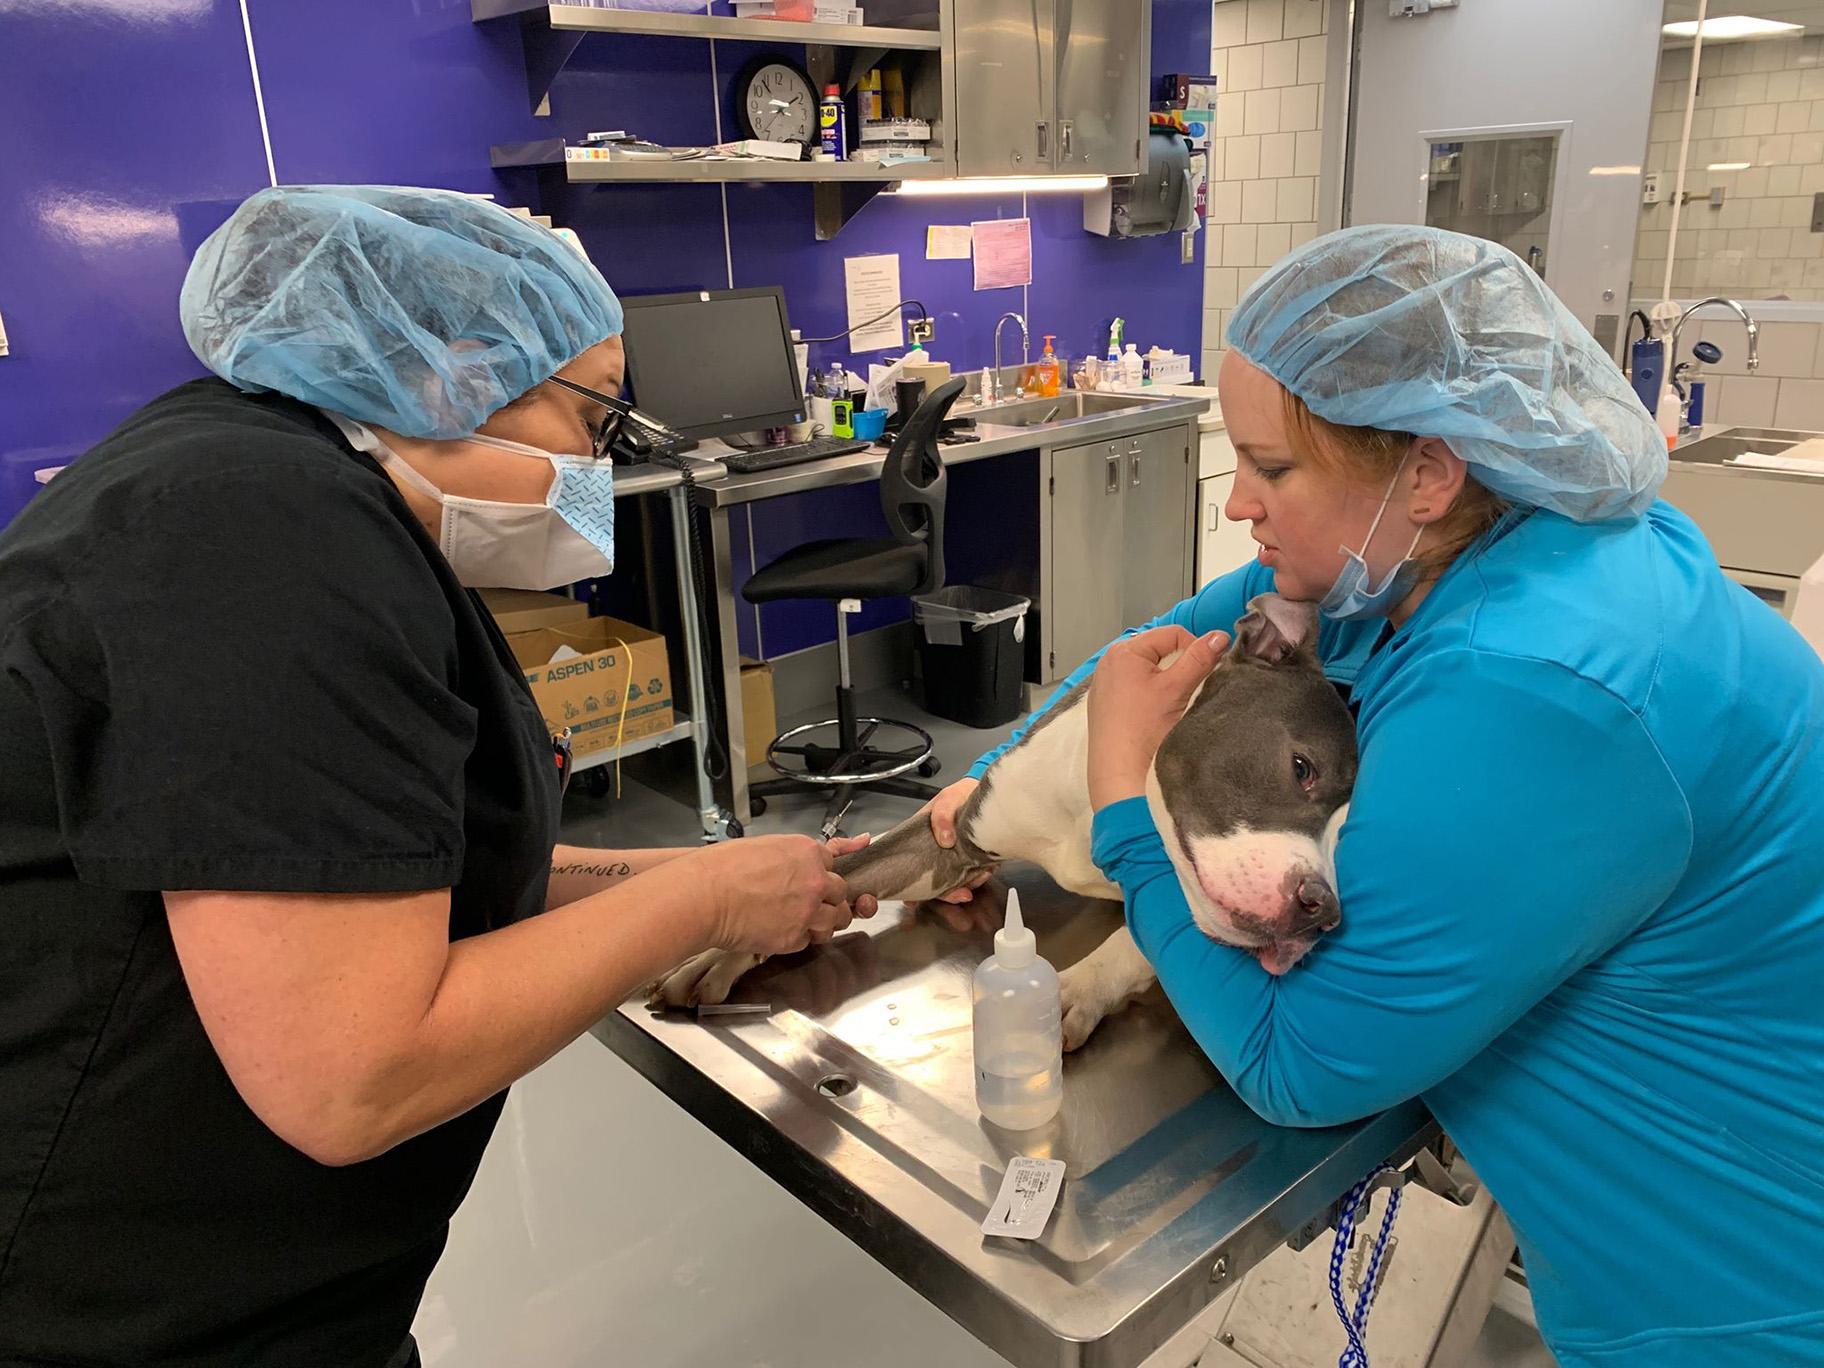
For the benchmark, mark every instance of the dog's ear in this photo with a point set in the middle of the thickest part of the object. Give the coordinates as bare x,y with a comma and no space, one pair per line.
1275,628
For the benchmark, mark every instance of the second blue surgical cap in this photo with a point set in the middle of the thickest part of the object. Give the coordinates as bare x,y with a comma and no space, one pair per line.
1439,334
421,310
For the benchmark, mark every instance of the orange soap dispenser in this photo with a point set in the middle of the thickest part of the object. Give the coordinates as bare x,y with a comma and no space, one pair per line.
1050,375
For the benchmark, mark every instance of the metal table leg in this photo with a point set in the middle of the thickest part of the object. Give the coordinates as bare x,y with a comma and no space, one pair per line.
690,620
733,715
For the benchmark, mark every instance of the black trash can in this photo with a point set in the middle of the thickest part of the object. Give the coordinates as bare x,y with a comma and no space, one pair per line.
970,649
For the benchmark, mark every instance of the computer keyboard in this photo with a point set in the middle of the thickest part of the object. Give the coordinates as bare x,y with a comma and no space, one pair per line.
771,458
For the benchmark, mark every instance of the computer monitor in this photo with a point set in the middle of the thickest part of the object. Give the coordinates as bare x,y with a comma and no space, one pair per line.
712,362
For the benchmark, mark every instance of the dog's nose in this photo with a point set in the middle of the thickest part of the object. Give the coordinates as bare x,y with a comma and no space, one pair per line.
1317,910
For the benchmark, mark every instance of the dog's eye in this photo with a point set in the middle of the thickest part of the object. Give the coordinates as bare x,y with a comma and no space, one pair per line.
1304,771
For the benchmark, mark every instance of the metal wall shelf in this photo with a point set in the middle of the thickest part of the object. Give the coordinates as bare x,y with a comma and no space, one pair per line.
552,33
550,152
588,19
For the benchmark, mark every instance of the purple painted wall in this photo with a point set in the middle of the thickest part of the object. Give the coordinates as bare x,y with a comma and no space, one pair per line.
126,129
144,132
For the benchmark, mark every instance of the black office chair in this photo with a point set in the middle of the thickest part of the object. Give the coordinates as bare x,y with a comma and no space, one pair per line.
847,570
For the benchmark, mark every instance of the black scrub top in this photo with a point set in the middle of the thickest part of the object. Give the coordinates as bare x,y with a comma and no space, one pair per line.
230,658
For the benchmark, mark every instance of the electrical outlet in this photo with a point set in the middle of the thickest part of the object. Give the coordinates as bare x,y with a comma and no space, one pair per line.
922,329
1187,249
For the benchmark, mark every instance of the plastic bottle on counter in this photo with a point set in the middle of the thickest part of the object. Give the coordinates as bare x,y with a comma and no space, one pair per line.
820,403
1019,1030
1669,411
1111,364
1133,368
833,124
1050,373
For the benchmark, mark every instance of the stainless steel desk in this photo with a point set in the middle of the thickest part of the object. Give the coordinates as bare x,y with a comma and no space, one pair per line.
856,1093
631,482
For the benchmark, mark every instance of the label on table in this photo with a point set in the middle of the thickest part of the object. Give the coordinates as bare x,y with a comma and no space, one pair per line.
1028,1193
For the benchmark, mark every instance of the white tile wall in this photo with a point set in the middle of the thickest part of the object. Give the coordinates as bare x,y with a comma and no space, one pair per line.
1800,405
1787,390
1266,20
1278,155
1761,103
1259,201
1269,58
1279,64
1741,400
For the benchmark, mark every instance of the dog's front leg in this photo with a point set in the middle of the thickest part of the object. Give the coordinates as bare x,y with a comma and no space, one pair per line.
703,980
1103,981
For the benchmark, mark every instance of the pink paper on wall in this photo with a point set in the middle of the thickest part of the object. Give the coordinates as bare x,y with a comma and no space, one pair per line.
1003,253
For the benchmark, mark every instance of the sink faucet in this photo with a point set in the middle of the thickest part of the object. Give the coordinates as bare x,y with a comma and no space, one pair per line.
1754,340
1025,348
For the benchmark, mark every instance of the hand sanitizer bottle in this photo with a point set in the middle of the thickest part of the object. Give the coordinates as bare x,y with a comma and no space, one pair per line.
1019,1037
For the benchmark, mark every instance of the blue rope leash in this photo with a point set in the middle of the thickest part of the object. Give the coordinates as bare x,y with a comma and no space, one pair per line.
1355,1323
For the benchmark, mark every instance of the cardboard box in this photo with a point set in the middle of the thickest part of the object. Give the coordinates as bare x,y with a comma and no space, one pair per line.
617,665
757,709
521,610
1187,90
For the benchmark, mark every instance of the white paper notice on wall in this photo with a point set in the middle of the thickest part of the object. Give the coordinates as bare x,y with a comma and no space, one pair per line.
1003,253
949,242
2,337
872,287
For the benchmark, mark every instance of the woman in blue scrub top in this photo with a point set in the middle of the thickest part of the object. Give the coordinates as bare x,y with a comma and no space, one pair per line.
1582,875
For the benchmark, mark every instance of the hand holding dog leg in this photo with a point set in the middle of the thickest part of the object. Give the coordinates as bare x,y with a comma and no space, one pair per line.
1139,691
944,809
773,894
867,904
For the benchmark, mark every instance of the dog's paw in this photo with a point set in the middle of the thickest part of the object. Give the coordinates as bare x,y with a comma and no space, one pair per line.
1084,1003
701,981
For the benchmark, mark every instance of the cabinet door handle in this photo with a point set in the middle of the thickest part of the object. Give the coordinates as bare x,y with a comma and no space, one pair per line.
1111,475
1064,138
1044,138
1133,465
1215,517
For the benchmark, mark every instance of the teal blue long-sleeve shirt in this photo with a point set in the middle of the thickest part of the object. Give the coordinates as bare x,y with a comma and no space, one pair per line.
1582,883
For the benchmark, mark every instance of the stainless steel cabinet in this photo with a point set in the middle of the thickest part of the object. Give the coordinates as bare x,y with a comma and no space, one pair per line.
1121,540
1051,86
1103,48
1160,530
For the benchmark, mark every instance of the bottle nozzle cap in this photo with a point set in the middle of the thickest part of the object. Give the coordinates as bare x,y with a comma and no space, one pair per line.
1014,945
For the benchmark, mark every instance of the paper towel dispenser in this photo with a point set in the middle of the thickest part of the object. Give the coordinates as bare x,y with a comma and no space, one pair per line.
1158,200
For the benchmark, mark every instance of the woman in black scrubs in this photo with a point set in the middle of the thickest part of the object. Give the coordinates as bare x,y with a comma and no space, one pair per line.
281,912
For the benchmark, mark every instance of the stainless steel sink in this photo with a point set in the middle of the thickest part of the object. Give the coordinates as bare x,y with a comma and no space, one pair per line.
1765,526
1061,409
1731,442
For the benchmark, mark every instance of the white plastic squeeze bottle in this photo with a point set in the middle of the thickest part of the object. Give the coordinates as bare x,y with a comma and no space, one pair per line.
1019,1037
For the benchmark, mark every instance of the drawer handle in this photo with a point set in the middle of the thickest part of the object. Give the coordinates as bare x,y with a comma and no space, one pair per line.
1111,475
1133,458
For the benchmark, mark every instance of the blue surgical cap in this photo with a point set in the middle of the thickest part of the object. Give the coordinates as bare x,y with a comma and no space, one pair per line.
1439,334
421,310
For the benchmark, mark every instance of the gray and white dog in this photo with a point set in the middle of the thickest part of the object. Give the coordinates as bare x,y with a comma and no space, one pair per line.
1248,790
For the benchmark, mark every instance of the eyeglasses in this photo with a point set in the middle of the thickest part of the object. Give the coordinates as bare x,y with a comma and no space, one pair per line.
620,412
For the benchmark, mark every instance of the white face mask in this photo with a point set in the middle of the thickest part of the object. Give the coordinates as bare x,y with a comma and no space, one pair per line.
491,544
1355,595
